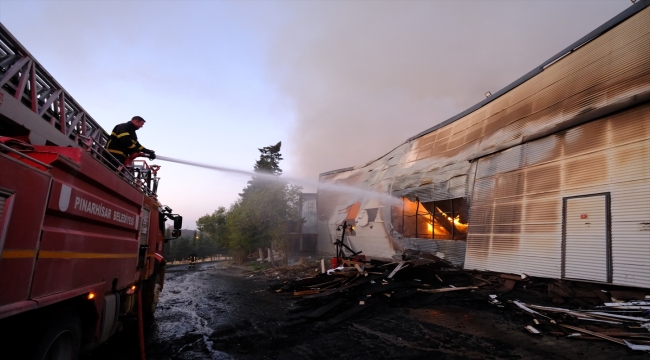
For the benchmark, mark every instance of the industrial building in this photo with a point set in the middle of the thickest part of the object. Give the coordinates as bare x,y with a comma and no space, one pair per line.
548,177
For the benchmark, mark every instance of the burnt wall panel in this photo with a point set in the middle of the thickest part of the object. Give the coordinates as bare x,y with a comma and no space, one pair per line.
608,162
568,130
586,170
545,178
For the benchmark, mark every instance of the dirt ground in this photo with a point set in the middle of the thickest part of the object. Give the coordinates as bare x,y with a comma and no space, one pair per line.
222,312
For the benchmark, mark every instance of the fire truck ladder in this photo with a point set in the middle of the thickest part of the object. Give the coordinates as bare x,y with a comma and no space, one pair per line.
31,98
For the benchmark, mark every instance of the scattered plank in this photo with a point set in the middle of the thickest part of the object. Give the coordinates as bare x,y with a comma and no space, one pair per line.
629,303
325,283
599,335
622,317
351,284
532,330
528,310
627,295
448,289
305,292
637,347
398,268
625,334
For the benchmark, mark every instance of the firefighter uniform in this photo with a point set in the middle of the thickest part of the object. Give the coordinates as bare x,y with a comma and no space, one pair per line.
123,142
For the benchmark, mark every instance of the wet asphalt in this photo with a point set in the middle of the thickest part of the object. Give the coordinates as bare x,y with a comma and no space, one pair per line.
222,312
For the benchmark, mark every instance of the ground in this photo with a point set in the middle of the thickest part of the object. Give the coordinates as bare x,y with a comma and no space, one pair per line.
222,312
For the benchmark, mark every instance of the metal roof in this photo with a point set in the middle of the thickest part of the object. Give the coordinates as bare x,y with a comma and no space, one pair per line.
627,13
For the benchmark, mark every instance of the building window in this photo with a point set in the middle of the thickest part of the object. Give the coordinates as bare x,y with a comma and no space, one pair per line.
440,220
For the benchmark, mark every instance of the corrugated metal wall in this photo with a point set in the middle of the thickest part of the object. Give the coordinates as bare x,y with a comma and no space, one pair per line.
516,188
516,216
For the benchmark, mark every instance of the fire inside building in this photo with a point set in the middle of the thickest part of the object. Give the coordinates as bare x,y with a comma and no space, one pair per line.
549,176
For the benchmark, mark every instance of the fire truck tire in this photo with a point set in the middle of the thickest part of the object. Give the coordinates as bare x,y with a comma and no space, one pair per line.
150,296
61,340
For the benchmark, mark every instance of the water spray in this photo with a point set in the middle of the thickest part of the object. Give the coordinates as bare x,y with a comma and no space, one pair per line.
386,198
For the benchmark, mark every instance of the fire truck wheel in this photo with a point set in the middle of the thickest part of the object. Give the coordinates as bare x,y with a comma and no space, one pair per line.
62,340
150,296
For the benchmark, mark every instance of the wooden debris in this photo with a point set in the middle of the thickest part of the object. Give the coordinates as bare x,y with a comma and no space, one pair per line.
625,334
637,347
448,289
627,295
622,317
349,285
321,285
305,292
629,303
354,262
599,335
532,330
398,268
526,309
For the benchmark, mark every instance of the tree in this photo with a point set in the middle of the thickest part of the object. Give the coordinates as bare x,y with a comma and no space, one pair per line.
268,163
214,225
265,213
266,210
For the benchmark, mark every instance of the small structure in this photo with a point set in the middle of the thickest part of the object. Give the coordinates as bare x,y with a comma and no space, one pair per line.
308,230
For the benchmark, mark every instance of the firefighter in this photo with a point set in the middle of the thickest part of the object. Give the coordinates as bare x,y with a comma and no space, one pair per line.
124,142
192,259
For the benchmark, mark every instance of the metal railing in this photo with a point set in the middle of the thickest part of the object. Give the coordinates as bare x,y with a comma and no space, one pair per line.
27,80
24,78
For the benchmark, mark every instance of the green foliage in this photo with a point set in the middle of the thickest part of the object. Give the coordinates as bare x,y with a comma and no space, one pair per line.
203,245
263,216
214,226
178,249
259,265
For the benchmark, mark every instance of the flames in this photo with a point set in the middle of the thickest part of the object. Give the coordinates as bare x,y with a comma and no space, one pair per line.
431,221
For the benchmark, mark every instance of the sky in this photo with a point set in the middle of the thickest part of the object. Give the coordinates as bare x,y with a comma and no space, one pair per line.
340,83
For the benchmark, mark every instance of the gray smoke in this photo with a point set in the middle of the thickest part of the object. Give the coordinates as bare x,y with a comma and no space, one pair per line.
362,77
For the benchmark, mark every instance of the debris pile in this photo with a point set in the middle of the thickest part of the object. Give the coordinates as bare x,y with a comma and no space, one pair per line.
303,269
329,297
624,323
338,294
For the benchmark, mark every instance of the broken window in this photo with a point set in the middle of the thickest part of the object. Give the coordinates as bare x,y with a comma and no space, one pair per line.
441,220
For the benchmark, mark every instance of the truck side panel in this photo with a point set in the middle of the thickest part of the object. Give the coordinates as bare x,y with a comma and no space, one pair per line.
28,189
90,231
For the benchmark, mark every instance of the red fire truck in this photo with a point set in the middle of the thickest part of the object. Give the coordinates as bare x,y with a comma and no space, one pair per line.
81,240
